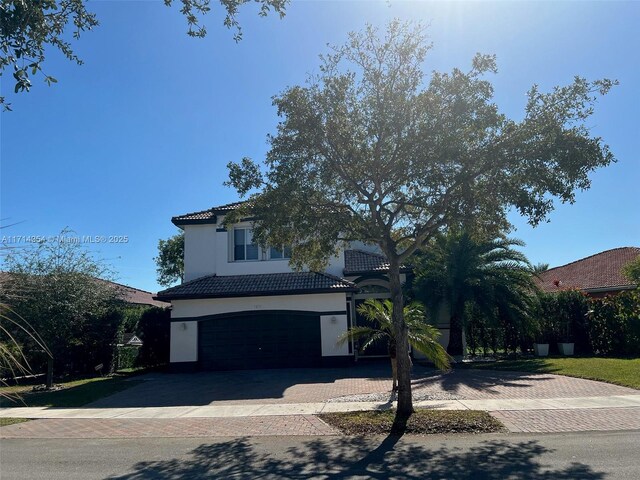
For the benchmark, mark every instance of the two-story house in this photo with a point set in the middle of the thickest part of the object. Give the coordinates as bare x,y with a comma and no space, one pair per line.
243,307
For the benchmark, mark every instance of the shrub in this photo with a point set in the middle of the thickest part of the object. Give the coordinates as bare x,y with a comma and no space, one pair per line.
127,357
154,331
614,324
562,317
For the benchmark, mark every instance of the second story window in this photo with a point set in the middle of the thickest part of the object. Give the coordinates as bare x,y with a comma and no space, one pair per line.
243,246
279,253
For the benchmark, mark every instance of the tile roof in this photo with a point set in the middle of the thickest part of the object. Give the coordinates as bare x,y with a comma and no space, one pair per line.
598,272
357,262
125,293
135,295
293,283
204,216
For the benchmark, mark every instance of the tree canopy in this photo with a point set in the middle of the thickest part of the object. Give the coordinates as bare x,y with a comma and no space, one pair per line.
170,260
28,29
59,288
371,150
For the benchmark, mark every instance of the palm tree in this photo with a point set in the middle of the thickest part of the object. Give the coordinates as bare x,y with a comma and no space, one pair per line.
489,274
422,336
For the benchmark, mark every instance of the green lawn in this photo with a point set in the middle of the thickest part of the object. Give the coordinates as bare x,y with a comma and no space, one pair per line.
621,371
421,422
74,394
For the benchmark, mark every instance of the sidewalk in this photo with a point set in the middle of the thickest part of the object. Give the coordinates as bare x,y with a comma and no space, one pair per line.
260,410
618,412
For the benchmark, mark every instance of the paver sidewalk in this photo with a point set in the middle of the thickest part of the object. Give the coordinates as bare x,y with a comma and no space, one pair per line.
287,402
518,415
257,410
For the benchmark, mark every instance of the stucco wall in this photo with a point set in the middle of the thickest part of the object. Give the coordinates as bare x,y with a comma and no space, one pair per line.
324,302
199,251
208,252
184,342
331,327
184,335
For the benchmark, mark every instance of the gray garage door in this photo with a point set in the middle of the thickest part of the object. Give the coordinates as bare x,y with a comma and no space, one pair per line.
267,340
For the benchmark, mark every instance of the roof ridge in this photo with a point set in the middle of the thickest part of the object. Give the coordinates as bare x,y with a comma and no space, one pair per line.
127,286
194,213
591,256
382,255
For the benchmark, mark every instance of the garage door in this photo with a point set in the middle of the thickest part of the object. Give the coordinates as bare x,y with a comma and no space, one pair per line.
269,340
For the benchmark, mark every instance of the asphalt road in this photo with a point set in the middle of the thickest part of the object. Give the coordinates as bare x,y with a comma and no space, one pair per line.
611,455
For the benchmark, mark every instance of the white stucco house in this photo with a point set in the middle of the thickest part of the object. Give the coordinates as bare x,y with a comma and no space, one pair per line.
243,307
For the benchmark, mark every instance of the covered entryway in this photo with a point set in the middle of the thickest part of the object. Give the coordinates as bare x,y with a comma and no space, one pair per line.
377,289
260,340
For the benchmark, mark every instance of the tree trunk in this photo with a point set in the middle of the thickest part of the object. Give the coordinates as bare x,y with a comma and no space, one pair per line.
454,348
405,400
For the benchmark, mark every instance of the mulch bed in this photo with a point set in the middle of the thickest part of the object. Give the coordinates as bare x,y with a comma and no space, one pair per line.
422,422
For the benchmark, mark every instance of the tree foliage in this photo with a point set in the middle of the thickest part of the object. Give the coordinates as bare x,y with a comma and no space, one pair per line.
632,270
422,335
459,270
369,150
170,260
614,324
29,28
57,286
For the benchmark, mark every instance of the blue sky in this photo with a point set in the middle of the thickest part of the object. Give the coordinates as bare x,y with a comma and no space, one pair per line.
143,130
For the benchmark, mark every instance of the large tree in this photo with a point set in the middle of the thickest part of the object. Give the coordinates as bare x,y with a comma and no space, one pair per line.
369,150
58,286
29,29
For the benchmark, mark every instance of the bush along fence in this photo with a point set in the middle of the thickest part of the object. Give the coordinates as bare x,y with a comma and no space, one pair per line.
608,326
152,328
614,324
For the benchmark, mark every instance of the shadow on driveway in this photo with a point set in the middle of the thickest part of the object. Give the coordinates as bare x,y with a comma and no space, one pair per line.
305,385
266,386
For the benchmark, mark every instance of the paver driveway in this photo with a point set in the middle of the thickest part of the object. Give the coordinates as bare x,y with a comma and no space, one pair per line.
320,385
286,388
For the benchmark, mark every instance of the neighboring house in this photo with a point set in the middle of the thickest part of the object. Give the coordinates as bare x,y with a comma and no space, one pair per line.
135,296
130,295
243,307
598,275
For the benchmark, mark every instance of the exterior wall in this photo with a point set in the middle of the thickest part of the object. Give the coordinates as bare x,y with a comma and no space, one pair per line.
365,247
199,251
184,335
184,342
331,327
208,251
323,302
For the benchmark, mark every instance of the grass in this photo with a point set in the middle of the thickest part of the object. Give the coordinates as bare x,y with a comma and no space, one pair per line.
10,421
620,371
73,394
422,422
